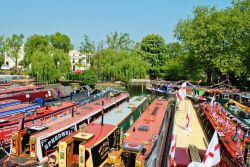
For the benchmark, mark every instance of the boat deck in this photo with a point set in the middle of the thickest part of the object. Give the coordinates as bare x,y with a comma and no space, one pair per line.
116,116
147,127
17,108
196,136
226,131
100,132
83,112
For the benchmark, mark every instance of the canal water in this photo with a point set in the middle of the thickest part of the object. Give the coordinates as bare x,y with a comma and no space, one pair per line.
136,90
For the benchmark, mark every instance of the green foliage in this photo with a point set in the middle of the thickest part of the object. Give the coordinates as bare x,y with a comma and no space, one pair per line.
153,50
35,43
218,39
12,47
73,76
89,77
120,65
61,41
50,53
62,62
120,41
43,67
1,50
87,46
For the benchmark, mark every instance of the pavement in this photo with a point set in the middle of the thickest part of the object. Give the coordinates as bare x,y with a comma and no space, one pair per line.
195,135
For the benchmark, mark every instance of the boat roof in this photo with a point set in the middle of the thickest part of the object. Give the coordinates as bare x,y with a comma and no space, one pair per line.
84,112
226,140
63,105
98,131
22,106
146,128
23,92
9,101
20,89
117,115
184,138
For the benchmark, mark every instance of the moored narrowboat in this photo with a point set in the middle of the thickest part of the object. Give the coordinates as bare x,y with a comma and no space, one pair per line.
142,145
39,145
233,134
121,117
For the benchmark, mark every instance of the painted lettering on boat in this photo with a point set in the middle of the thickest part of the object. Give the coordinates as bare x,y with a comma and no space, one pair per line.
103,150
50,142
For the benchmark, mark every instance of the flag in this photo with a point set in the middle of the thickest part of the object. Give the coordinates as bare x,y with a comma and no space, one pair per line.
212,156
212,102
181,93
188,117
172,148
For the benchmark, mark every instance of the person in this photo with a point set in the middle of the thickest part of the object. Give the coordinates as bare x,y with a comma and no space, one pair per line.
52,161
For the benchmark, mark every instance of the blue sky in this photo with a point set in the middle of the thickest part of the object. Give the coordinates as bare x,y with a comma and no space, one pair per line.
97,18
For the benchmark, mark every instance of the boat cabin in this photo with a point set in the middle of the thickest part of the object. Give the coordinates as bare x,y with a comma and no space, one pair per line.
89,146
20,144
143,143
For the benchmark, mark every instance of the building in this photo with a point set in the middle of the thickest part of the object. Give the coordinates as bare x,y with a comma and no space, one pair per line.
9,62
79,62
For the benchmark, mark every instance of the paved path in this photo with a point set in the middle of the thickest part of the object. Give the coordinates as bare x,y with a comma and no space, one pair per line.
196,135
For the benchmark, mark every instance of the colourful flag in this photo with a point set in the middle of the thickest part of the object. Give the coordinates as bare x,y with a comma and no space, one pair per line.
181,93
172,148
212,156
188,117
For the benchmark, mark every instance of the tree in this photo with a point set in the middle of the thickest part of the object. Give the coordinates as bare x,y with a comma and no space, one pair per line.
87,46
89,77
43,67
53,50
153,50
62,62
35,43
120,41
1,50
61,41
120,65
217,39
13,46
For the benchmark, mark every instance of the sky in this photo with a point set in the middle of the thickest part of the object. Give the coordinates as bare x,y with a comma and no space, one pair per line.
97,18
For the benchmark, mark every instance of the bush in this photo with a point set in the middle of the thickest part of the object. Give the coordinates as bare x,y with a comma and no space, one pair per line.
89,77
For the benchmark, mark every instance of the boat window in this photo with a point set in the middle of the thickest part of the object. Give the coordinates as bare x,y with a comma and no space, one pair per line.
155,110
33,147
143,128
226,97
76,147
14,142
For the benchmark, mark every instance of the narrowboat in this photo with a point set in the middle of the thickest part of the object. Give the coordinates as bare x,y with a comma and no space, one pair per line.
17,109
37,146
15,89
10,122
88,147
9,102
233,134
143,142
160,86
28,96
121,117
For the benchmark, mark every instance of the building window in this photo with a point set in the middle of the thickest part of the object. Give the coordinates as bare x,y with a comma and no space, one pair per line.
73,61
7,63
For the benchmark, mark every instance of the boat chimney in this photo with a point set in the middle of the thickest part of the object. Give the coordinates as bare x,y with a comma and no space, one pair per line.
102,117
72,113
102,112
246,157
71,95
